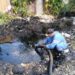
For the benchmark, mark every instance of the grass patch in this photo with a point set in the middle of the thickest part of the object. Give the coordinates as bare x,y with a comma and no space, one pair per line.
5,18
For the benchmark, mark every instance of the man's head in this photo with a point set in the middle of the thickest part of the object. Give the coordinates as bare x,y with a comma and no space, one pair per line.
50,32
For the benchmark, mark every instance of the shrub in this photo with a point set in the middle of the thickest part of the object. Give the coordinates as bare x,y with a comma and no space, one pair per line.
19,7
54,6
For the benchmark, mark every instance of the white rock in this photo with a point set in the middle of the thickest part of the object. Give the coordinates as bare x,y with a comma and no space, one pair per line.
66,35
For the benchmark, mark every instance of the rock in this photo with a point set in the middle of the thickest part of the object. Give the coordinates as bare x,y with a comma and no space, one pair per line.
66,35
18,70
6,38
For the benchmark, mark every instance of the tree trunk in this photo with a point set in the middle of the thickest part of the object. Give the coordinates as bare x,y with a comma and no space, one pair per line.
39,7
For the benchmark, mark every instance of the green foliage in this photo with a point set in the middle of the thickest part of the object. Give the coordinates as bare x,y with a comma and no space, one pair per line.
19,7
71,5
5,18
54,6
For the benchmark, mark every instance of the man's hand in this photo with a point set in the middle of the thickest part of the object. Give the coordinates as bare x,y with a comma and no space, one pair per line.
46,35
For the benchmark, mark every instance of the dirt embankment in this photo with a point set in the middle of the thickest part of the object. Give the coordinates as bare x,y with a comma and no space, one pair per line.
31,29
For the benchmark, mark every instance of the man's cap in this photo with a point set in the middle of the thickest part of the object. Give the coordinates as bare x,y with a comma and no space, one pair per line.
50,30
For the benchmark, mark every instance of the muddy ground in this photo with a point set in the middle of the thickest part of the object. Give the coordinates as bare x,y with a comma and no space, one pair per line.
26,30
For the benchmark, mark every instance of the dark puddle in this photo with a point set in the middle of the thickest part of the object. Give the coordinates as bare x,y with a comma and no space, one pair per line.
17,52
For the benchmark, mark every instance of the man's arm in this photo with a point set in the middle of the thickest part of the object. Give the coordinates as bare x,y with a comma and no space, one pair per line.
53,44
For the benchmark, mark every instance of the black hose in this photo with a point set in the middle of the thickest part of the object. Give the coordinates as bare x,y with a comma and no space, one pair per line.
50,64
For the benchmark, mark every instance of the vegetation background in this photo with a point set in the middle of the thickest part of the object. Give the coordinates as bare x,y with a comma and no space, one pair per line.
50,7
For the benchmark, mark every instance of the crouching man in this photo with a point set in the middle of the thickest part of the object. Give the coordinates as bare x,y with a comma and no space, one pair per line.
55,42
